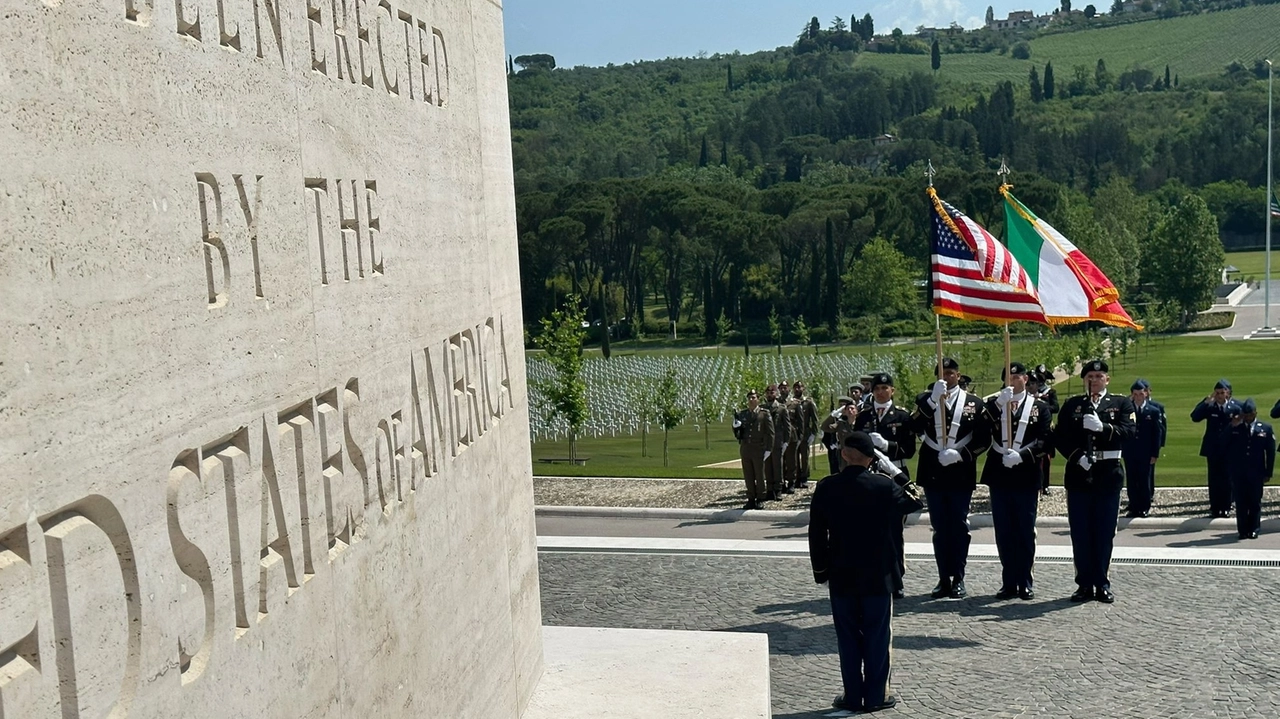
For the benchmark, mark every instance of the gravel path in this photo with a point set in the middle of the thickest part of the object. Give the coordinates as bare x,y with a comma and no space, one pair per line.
720,494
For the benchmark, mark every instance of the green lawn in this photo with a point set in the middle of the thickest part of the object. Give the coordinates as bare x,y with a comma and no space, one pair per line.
1182,370
1254,264
1193,45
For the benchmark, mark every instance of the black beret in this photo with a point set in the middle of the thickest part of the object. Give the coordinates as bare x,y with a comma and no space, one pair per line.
1016,367
861,441
1222,384
1232,408
1094,366
881,378
947,363
1139,384
1249,406
965,380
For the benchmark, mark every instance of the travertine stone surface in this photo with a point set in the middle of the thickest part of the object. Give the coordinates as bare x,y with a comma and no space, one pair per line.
263,428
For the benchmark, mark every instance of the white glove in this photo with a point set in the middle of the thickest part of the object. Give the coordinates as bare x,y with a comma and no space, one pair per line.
888,468
948,457
1012,459
837,411
1004,398
737,423
1085,462
766,454
1091,423
784,446
939,391
880,442
835,448
810,440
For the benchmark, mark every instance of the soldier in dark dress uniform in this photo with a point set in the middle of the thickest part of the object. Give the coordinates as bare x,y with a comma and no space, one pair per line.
753,427
1251,460
888,424
1020,435
1143,449
855,519
1211,411
954,431
1038,383
1092,428
1275,411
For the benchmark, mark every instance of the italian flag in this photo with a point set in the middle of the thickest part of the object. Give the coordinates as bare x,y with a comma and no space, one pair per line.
1071,288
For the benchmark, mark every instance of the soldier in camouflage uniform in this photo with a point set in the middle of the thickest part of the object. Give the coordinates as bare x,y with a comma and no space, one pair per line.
781,432
805,414
753,427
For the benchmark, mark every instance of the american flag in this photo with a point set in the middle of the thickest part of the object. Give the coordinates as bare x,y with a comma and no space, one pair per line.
973,276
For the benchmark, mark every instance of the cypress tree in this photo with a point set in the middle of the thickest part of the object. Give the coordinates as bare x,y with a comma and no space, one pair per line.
1048,81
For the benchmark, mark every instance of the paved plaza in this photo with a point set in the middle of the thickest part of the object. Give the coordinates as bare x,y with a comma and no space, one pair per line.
1181,641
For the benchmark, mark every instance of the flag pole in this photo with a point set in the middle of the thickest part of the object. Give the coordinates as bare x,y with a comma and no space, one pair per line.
942,429
1266,293
1008,375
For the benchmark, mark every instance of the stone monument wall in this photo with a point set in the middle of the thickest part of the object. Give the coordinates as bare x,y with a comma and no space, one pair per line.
263,428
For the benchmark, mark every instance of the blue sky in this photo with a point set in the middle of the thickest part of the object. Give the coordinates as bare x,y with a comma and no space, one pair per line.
597,32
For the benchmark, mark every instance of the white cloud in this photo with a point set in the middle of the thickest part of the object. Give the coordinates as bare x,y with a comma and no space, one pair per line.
910,14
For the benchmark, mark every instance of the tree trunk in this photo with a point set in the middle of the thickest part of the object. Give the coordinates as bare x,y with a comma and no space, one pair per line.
665,460
573,447
644,440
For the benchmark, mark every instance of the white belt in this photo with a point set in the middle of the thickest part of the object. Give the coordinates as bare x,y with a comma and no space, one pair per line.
960,444
1109,454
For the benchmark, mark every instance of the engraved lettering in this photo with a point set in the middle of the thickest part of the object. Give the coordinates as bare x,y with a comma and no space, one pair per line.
319,189
374,226
315,30
276,549
424,43
407,19
349,229
362,42
215,250
139,11
21,685
227,39
103,625
341,50
224,463
389,83
191,561
442,68
251,216
271,8
190,28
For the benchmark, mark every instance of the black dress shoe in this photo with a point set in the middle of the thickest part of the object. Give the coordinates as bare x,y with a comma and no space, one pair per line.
751,504
1104,595
841,703
1082,594
1027,593
788,490
943,589
889,702
958,590
802,485
899,594
772,496
1253,535
1007,593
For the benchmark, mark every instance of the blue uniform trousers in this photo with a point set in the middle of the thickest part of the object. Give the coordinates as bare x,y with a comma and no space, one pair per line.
1140,476
1013,512
1092,516
1219,485
1248,496
949,518
863,636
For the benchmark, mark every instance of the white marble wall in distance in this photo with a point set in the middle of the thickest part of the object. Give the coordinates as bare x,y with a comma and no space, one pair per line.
263,422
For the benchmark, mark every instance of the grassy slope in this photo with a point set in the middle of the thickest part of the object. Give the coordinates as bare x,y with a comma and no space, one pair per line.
1182,371
1192,46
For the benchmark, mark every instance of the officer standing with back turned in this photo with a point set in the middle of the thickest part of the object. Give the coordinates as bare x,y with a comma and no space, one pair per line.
1091,429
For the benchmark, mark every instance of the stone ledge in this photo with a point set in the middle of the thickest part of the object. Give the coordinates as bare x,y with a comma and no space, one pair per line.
597,673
